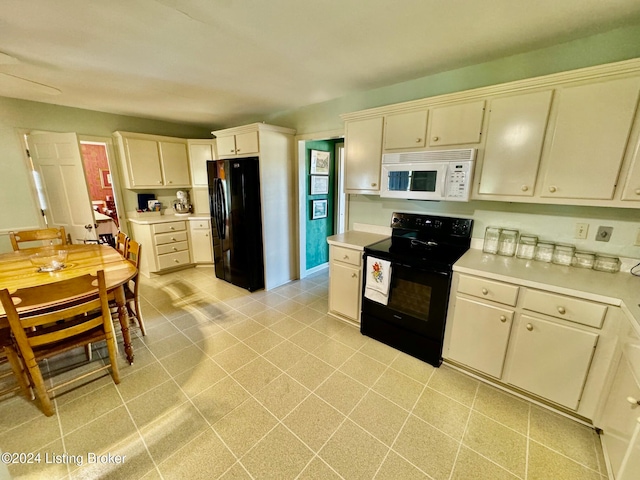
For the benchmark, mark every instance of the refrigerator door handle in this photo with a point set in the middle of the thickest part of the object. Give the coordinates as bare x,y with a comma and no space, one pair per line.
221,209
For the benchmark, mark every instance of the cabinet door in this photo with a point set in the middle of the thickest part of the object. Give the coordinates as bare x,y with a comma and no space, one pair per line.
344,290
226,145
589,139
201,245
514,138
405,130
144,162
479,336
199,153
550,360
456,124
632,186
363,156
247,143
175,164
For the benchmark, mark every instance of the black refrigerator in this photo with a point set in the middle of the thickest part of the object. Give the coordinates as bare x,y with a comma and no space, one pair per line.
236,221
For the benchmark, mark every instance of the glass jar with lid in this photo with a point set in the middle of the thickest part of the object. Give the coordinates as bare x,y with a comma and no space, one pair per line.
583,259
526,246
544,251
491,240
508,242
607,263
563,254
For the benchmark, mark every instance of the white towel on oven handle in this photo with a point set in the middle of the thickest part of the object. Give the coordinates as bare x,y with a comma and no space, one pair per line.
377,280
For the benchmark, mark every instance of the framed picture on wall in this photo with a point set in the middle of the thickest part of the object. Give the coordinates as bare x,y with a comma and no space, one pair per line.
319,162
318,209
319,185
105,178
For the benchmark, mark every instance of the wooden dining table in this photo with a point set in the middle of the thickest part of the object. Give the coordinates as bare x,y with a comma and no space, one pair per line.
17,271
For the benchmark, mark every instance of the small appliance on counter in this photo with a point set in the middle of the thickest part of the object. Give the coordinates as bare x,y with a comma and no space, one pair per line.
181,205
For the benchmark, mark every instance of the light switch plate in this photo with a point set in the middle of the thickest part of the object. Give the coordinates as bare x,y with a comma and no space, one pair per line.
604,234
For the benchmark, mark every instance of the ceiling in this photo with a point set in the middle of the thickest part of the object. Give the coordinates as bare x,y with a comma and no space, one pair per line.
214,62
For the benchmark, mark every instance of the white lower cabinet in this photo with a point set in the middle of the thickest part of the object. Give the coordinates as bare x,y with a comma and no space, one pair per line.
345,283
165,246
201,244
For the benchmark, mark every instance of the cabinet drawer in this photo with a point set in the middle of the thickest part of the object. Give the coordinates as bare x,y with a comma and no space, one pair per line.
573,309
199,224
171,238
171,260
169,227
346,255
172,247
488,289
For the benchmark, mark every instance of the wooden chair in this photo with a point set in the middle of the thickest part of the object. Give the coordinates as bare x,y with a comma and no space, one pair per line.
55,318
122,242
8,355
131,289
37,235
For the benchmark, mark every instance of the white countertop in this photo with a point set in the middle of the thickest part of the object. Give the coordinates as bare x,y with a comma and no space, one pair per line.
619,289
355,239
166,218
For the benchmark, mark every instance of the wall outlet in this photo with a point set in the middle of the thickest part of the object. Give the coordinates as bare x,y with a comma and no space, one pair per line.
604,234
582,229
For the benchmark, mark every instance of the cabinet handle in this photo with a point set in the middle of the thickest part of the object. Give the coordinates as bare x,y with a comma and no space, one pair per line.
346,257
374,184
435,139
176,260
633,401
238,151
170,181
503,318
529,327
232,151
159,181
485,291
562,310
418,140
524,188
206,234
172,228
552,189
173,239
174,249
354,275
637,191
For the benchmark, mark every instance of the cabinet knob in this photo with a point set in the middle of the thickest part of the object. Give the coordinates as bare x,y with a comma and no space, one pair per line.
552,189
346,257
524,188
174,249
159,181
435,139
172,228
374,184
503,318
173,239
232,151
170,181
633,401
562,310
418,140
637,191
206,234
485,291
529,327
176,260
354,275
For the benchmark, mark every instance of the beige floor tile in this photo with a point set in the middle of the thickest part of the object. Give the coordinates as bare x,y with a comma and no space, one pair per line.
41,469
16,411
278,455
318,470
272,299
236,472
31,435
379,351
153,404
311,317
216,343
342,392
235,357
244,426
545,464
264,340
204,457
268,316
190,319
257,374
202,331
565,436
282,395
398,388
308,339
82,410
442,412
290,307
142,381
322,305
159,331
503,408
200,377
472,466
454,384
363,368
395,467
314,421
249,308
173,431
350,336
379,416
182,360
245,328
310,371
333,352
170,345
220,399
427,448
287,327
412,367
353,453
328,325
285,355
498,443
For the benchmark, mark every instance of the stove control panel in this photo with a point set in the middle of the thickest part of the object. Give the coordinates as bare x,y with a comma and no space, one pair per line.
440,226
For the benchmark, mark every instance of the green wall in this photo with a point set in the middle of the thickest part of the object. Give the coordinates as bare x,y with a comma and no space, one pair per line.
319,229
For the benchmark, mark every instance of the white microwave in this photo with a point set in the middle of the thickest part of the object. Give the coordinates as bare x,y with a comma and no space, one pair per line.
431,175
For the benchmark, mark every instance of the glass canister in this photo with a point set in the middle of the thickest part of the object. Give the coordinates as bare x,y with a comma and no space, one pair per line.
583,259
508,242
544,251
563,254
607,263
491,240
527,246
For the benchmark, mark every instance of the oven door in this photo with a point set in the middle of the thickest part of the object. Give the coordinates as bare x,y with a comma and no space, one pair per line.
414,181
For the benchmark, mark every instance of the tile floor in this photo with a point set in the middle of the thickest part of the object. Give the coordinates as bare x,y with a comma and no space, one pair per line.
233,385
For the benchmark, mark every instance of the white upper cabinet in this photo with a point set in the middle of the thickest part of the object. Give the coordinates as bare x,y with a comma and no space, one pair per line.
199,152
513,143
363,156
405,130
456,124
241,144
144,162
589,138
175,163
632,186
